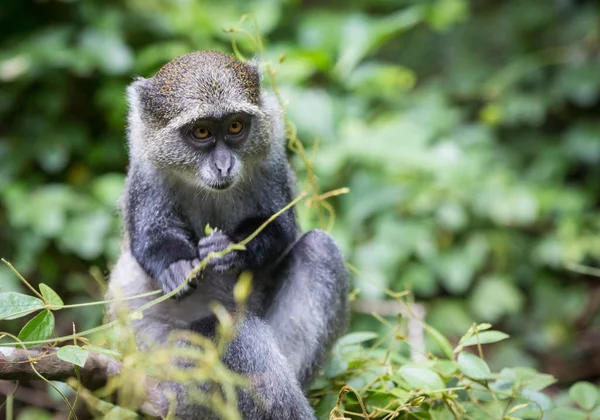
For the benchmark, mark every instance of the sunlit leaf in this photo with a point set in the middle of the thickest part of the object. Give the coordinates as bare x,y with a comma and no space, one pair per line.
585,394
38,328
440,340
50,295
421,378
484,337
357,338
16,305
335,365
73,354
564,413
473,367
104,351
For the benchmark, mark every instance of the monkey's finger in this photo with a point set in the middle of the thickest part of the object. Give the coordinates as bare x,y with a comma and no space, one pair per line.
214,240
187,290
204,252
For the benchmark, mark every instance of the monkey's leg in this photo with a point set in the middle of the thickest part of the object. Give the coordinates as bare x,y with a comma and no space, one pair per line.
309,310
275,393
254,352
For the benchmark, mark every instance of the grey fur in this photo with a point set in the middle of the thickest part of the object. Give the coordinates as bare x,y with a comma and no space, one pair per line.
298,306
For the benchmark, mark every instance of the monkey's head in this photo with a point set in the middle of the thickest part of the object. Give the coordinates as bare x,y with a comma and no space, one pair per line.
204,118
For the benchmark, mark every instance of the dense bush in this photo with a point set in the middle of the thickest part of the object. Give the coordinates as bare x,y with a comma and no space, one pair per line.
467,133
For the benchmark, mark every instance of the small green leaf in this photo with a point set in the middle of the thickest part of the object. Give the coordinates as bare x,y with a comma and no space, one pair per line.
16,305
484,337
440,340
324,407
38,328
50,295
585,394
335,365
104,351
73,354
517,408
473,367
120,413
356,338
562,413
446,367
243,287
421,378
208,229
538,401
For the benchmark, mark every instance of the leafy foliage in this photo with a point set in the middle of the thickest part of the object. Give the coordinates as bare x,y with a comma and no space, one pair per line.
384,380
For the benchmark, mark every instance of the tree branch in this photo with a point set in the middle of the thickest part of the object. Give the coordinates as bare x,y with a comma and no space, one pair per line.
16,364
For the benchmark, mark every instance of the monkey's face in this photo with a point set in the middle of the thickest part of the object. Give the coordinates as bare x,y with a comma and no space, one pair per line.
219,145
204,118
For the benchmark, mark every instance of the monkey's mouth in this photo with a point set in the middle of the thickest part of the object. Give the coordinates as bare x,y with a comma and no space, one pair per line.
220,185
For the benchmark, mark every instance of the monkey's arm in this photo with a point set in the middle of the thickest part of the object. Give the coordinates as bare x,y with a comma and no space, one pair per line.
159,240
268,245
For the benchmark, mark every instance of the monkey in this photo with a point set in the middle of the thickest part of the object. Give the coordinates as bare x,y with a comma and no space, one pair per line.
207,146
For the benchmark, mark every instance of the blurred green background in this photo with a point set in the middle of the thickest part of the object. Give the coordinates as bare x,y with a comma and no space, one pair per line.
467,131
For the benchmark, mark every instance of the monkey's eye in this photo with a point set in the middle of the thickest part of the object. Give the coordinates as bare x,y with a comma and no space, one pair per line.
201,133
235,127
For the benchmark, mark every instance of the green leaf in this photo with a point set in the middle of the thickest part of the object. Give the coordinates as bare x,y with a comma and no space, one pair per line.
120,413
483,326
50,295
440,340
326,405
473,367
16,305
538,402
585,394
421,378
484,337
517,408
495,297
563,413
105,351
356,338
73,354
38,328
335,365
446,367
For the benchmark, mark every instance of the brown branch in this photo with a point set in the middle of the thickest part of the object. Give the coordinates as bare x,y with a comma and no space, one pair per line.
16,364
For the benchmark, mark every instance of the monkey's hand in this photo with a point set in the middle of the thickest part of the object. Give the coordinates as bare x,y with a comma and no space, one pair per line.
175,275
215,242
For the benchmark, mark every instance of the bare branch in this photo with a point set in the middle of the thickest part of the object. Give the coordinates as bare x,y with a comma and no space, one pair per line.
15,364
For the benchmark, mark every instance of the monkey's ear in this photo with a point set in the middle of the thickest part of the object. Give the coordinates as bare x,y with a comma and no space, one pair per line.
149,102
254,64
138,96
254,79
255,68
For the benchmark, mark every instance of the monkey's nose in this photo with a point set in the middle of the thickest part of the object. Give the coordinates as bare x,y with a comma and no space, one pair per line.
223,164
223,168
